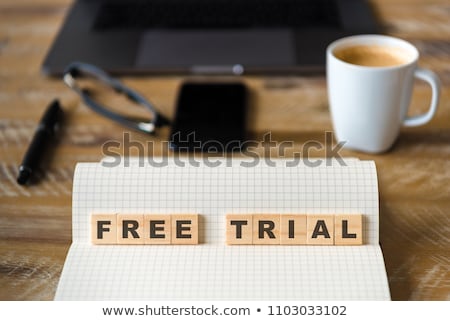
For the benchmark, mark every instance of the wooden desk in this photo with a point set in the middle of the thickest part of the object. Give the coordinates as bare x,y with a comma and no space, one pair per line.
414,177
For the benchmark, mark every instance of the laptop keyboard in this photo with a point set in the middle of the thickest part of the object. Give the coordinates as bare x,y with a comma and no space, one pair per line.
216,14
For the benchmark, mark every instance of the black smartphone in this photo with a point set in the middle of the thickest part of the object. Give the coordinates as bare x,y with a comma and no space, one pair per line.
210,117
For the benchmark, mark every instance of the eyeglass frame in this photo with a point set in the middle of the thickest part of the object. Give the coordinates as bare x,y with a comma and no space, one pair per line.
75,69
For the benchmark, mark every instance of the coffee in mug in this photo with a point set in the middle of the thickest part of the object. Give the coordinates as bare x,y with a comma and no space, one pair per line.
372,56
370,81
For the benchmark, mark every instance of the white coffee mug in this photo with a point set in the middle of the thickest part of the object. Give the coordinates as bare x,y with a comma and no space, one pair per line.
370,104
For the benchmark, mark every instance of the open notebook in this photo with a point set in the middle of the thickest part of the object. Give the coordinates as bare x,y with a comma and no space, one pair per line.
213,270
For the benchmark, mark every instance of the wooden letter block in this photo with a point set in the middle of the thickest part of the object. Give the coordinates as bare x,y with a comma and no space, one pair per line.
157,229
348,229
266,229
104,229
320,229
239,229
130,229
184,229
293,229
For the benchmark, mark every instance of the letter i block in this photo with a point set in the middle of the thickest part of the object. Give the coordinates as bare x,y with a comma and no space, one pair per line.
320,229
239,229
104,229
157,229
266,229
348,229
184,229
293,229
130,229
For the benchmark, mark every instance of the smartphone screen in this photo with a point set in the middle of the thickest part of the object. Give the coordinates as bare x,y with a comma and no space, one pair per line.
210,117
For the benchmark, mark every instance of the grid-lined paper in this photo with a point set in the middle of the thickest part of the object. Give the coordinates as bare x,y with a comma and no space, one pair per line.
212,269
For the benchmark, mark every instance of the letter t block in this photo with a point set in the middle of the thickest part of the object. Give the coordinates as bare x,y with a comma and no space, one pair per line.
239,229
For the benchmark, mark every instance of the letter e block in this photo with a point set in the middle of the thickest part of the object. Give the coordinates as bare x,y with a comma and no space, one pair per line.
184,229
293,229
320,229
104,228
239,229
157,229
348,229
266,229
130,229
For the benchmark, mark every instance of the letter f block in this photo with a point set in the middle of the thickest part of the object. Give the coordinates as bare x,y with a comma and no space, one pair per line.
104,228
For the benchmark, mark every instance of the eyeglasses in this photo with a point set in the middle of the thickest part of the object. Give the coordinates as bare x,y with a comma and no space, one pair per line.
86,80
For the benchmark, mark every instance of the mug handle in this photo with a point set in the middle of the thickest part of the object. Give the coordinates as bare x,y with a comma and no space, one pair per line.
431,78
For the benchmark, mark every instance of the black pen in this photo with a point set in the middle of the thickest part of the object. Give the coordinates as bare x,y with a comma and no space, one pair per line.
43,137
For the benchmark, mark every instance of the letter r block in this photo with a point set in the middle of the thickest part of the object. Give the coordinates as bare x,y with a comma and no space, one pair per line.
266,229
130,229
104,228
239,229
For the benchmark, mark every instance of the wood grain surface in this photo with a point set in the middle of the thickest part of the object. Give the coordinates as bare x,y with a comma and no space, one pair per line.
414,176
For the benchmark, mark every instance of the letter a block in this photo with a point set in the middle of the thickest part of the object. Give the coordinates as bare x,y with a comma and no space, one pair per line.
104,228
348,229
320,229
239,229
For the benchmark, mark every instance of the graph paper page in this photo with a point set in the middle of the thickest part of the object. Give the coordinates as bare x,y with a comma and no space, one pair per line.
212,269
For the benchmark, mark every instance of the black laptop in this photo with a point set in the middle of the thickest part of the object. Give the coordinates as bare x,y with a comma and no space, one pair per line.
205,36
